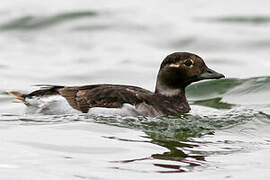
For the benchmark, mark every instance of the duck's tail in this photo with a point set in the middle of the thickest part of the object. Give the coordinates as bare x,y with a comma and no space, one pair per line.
19,96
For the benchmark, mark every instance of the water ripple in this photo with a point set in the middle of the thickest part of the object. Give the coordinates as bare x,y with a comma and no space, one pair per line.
240,19
41,22
235,91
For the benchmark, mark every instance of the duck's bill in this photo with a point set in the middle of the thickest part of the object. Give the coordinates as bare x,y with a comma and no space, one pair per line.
211,74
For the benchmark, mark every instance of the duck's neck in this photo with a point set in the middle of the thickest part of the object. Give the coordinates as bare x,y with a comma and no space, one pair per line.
169,86
175,95
165,90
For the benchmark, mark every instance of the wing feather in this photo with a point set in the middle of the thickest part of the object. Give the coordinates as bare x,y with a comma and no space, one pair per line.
109,96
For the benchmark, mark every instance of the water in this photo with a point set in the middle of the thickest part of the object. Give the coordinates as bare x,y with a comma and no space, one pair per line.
225,136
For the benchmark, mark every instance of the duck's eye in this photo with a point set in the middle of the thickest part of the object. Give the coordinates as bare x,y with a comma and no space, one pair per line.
188,62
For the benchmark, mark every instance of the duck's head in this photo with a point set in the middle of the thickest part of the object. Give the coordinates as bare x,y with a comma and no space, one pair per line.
180,69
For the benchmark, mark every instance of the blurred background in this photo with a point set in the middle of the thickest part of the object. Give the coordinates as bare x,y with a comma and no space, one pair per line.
71,42
124,41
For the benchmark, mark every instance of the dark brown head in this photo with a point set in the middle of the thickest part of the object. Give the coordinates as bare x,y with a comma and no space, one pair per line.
180,69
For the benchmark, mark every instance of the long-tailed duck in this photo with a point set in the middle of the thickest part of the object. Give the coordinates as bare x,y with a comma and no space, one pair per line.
177,71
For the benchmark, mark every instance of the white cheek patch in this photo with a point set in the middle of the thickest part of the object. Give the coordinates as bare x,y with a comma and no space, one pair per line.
174,65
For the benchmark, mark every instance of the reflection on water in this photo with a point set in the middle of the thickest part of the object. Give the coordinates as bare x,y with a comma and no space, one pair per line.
176,134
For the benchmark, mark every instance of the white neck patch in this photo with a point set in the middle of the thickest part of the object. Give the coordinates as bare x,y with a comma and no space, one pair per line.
166,91
169,92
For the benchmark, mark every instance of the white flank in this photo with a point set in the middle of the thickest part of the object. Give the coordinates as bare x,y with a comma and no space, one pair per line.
49,105
54,105
125,110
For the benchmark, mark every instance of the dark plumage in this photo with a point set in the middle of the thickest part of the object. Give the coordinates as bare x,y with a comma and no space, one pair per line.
177,71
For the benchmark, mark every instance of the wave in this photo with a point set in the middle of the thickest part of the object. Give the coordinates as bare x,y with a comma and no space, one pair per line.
225,93
240,19
38,22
